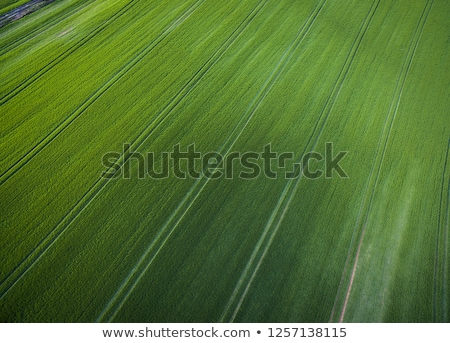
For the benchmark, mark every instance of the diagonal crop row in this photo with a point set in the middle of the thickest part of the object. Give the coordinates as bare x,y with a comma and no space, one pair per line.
173,221
38,30
374,176
49,240
36,76
44,142
273,224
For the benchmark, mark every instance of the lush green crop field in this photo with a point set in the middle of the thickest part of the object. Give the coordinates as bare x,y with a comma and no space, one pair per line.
81,78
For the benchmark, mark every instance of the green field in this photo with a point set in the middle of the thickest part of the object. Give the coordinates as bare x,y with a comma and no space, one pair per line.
81,78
